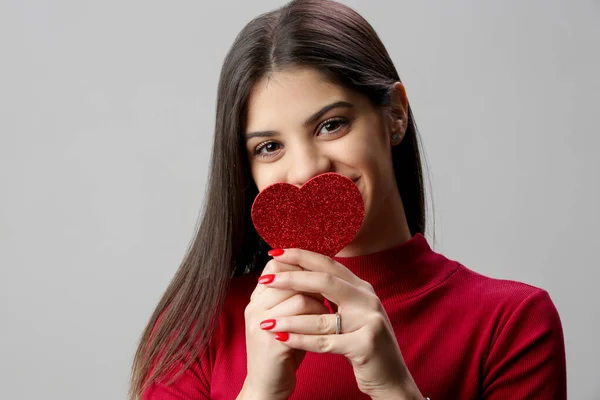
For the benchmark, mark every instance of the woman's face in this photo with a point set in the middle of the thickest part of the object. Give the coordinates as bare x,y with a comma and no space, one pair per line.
300,125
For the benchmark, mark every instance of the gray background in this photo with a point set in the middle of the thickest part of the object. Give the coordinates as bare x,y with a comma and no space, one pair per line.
106,117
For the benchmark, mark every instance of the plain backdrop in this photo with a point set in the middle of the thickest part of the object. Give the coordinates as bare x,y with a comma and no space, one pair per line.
106,120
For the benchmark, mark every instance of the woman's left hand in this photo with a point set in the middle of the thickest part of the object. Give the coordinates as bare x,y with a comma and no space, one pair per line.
366,337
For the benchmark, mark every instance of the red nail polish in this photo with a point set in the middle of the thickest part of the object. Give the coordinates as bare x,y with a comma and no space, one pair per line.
282,336
266,279
275,252
267,324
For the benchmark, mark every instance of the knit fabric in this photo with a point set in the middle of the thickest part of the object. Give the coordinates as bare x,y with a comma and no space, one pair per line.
462,335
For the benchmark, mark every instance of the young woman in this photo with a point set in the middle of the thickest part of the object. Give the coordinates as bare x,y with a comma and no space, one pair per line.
307,89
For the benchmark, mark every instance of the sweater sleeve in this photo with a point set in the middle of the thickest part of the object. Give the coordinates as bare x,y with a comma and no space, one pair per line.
527,358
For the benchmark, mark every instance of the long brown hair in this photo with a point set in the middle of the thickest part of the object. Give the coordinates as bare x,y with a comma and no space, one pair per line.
327,36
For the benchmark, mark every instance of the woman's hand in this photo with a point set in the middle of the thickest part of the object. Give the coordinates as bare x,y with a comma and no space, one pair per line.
272,365
366,337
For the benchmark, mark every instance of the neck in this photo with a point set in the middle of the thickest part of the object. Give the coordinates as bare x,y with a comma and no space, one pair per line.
402,271
385,227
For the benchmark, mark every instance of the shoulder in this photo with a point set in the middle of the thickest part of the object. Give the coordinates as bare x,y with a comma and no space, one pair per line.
497,292
494,304
507,307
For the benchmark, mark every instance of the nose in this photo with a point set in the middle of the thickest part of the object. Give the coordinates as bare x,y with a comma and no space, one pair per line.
307,162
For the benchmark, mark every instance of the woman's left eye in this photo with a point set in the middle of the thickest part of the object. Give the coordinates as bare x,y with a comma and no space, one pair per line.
332,125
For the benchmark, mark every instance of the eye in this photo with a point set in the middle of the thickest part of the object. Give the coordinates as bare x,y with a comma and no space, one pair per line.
333,125
270,148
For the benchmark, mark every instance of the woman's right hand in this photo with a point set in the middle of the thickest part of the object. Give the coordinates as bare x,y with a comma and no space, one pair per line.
272,365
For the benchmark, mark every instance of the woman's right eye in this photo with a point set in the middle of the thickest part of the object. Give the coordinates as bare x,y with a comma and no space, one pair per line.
270,148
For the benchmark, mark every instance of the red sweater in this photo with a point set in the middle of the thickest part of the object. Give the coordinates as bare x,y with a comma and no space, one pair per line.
463,335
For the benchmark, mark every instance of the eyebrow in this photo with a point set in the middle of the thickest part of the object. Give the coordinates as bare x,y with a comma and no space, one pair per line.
312,119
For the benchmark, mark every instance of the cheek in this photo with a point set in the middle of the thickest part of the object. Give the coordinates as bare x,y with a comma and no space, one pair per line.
264,175
256,176
367,156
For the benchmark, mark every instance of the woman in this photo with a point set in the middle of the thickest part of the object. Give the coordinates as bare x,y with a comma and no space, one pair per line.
307,89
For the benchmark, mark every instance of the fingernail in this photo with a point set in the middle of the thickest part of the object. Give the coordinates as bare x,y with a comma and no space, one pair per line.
267,324
275,252
282,336
266,278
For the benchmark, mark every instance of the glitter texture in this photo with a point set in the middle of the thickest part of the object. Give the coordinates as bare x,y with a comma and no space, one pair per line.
323,215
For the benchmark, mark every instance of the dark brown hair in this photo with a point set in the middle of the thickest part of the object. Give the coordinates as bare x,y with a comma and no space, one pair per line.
324,35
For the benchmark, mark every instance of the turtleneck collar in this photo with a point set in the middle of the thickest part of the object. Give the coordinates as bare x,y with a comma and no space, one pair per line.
402,271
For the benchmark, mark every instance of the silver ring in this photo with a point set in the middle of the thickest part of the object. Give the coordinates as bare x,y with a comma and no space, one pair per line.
338,323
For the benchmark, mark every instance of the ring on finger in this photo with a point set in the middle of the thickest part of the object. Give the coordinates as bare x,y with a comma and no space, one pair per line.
338,323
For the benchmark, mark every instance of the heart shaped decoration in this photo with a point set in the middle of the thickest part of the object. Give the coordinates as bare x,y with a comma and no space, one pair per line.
323,216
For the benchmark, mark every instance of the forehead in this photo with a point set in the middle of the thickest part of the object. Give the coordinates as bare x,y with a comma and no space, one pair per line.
291,93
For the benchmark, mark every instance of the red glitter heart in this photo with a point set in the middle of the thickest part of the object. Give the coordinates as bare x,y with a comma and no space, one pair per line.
323,215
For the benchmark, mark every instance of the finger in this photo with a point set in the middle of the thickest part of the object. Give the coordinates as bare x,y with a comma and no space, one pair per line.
311,261
297,304
271,297
273,266
333,288
268,297
334,344
315,324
